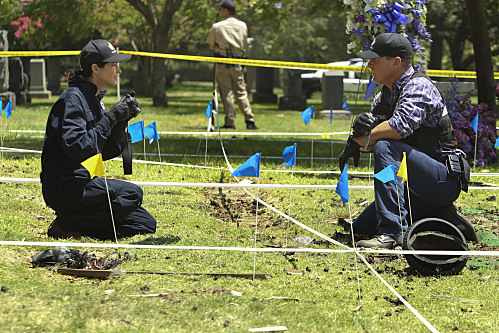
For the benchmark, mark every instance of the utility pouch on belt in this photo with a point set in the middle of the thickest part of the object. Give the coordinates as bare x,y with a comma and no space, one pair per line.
465,175
126,142
229,55
453,164
457,166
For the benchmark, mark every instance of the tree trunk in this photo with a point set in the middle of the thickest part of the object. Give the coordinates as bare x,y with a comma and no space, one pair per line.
158,75
457,42
161,23
483,55
436,52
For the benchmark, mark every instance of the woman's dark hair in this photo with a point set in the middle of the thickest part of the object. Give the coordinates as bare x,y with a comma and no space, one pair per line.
82,73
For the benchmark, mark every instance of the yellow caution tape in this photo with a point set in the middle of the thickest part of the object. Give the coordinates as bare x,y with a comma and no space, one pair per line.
37,53
237,61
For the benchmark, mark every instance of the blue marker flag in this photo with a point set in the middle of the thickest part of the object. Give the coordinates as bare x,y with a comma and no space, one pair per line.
345,106
151,132
331,115
289,155
474,124
308,114
136,131
207,113
250,168
386,174
342,186
497,143
8,109
1,108
370,88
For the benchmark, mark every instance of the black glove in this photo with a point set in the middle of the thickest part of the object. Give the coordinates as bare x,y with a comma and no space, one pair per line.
362,124
133,105
125,109
352,149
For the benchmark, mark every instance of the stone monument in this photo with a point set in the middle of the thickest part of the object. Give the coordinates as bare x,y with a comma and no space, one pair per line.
293,100
18,81
251,70
5,95
264,86
38,83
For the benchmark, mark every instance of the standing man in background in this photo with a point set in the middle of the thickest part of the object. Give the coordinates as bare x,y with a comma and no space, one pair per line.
228,38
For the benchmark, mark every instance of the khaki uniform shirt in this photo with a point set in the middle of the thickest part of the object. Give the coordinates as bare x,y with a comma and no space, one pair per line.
230,33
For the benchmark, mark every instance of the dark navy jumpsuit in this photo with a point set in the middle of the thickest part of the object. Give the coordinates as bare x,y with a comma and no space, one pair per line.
76,130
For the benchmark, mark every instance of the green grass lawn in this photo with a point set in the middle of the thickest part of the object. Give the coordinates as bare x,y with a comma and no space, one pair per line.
324,298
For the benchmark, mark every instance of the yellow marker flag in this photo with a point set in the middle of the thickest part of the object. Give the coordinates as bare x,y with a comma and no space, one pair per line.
94,165
402,173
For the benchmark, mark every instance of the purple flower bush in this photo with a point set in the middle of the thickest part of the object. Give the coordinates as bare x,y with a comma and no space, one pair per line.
461,113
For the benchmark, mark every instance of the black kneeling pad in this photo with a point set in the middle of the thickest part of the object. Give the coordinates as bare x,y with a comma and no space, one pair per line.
439,235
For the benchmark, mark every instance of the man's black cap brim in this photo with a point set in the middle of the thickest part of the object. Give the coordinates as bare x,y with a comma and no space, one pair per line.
368,55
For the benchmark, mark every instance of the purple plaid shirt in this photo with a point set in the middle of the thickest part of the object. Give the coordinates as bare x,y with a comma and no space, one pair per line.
420,104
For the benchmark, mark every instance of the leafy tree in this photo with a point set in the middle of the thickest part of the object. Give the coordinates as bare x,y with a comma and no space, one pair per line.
452,22
53,25
483,56
298,30
163,27
448,23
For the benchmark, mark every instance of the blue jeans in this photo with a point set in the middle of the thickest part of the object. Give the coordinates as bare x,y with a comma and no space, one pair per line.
430,188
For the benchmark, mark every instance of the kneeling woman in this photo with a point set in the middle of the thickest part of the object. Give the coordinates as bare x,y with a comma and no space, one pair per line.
78,128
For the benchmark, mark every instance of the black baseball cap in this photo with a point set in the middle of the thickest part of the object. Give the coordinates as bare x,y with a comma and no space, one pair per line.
98,50
230,5
388,45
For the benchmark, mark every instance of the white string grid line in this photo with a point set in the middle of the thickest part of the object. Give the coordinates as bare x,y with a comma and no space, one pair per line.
367,173
242,185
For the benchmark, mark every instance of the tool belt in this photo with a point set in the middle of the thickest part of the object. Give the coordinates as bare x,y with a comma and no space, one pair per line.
230,54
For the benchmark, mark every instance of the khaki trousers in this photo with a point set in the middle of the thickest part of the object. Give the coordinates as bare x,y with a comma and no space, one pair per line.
231,82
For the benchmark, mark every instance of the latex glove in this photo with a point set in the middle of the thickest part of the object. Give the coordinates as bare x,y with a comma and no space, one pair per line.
352,149
362,124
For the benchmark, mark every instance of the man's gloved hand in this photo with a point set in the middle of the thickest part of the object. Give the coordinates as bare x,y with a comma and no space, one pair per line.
362,124
352,149
133,105
125,109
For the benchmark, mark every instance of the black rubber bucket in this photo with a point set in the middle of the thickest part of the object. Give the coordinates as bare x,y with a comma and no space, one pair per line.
435,234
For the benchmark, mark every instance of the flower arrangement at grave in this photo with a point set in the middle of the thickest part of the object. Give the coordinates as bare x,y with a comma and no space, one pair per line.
368,18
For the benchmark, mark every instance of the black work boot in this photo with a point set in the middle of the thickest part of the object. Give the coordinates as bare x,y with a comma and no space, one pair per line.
251,125
57,231
378,242
229,126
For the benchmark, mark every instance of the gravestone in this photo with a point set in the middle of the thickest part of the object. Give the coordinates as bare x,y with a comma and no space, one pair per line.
264,86
293,100
38,83
18,81
4,62
5,95
251,70
462,87
54,74
332,90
